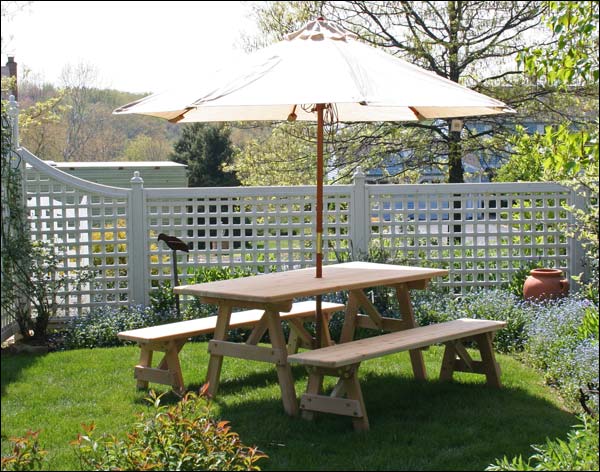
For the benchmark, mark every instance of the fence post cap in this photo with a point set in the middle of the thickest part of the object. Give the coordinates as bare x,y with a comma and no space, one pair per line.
136,179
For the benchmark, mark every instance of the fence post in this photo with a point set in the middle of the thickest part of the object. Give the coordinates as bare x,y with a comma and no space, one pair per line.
359,215
13,113
576,251
138,243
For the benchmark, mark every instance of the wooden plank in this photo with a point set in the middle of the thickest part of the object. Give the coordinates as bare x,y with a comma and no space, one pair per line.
277,305
247,318
369,348
281,286
149,374
246,351
325,404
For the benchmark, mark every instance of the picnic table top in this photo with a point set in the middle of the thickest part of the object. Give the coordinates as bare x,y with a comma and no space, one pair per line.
281,286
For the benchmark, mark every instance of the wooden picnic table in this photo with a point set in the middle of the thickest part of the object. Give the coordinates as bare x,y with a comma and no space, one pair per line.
275,292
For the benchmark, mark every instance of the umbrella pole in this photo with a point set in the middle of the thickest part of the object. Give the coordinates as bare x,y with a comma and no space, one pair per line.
175,281
319,256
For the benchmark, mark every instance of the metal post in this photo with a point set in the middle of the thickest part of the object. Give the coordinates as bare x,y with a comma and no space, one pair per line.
174,244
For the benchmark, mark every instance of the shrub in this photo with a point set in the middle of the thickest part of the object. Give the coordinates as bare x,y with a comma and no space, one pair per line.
26,453
196,309
578,452
184,436
100,327
438,305
499,305
558,343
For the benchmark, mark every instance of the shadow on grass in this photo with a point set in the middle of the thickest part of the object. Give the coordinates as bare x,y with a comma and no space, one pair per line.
415,425
13,365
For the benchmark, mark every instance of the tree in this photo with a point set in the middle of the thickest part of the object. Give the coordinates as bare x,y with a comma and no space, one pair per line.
473,43
146,148
205,149
570,151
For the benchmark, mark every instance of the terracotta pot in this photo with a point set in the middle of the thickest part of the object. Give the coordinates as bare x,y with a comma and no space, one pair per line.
544,284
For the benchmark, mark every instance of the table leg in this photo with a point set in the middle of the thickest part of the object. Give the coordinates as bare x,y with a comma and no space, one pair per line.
215,363
349,326
284,371
408,317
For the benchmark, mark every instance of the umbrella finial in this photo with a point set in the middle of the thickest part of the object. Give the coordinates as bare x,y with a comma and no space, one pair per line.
321,29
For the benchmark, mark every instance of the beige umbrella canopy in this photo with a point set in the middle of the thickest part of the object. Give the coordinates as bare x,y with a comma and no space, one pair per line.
319,70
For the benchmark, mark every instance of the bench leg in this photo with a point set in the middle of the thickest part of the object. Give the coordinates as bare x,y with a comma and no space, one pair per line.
171,363
456,358
354,392
448,363
145,361
488,359
313,387
168,371
353,405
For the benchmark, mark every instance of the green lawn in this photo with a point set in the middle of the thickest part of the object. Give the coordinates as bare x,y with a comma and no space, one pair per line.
414,425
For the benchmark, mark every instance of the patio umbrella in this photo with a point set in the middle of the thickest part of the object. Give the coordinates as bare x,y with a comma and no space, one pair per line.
320,72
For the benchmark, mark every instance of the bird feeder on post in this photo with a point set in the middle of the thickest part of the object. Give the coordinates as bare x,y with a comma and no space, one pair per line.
175,244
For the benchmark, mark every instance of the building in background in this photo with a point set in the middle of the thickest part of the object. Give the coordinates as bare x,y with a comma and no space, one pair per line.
156,174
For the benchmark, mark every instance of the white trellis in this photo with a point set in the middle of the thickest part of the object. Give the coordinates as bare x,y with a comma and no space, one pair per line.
482,232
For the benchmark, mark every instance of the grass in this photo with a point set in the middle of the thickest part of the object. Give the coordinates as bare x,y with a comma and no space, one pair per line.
414,425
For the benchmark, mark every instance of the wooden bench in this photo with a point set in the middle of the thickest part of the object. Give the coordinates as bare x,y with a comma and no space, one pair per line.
170,339
343,361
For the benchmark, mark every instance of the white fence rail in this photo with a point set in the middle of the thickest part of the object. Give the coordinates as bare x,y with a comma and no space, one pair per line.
480,232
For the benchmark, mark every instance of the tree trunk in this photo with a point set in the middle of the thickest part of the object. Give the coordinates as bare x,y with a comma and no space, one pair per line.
455,165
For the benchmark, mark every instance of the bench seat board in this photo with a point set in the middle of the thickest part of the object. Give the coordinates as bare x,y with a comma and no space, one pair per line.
363,349
185,329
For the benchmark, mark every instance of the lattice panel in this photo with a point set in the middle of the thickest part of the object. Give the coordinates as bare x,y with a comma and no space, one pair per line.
482,237
260,229
91,228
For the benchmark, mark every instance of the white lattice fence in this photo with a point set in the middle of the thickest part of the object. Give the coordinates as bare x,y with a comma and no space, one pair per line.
90,223
480,232
262,229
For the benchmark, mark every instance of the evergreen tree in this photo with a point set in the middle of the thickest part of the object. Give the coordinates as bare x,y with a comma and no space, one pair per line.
205,149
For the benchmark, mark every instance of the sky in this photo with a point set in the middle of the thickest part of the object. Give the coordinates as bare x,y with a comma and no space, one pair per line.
134,46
